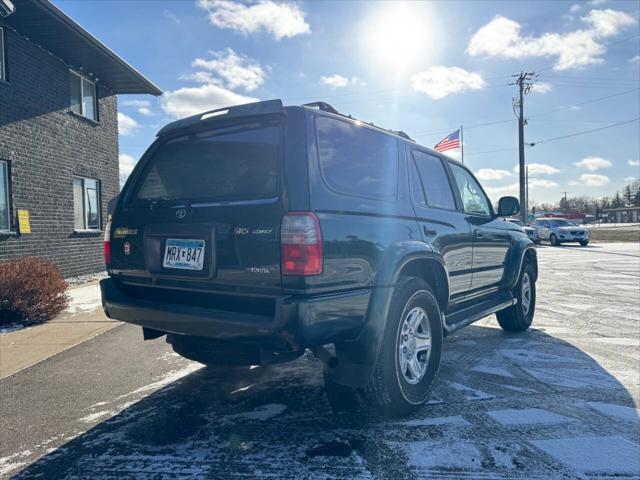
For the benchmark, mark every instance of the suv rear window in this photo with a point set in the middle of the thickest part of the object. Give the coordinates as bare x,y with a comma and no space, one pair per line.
357,160
235,162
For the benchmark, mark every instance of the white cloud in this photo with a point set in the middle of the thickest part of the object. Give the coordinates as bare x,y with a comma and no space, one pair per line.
171,16
593,163
634,163
127,162
597,2
541,183
136,103
335,81
608,23
502,37
492,174
126,124
438,82
635,59
575,8
591,180
630,179
201,77
512,189
279,19
541,87
192,100
338,81
539,169
142,106
455,154
235,70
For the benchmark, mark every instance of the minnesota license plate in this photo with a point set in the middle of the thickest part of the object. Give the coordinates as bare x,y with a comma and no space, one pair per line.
183,254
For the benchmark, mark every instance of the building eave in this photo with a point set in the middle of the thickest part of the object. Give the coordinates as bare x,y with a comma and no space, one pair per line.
45,24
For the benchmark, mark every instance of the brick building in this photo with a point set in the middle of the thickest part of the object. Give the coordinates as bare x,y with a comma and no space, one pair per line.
58,135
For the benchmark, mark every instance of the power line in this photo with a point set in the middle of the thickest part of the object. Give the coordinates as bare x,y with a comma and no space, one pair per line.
539,114
593,100
553,139
583,132
492,151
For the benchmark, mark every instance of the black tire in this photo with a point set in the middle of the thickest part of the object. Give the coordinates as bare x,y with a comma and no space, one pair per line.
584,243
517,318
553,240
388,392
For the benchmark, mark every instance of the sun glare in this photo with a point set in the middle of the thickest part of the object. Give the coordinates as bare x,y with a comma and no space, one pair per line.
398,35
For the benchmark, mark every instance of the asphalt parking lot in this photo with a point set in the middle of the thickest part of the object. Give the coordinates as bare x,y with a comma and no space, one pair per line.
556,402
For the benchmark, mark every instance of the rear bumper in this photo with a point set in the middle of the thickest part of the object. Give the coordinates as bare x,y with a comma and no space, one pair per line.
298,322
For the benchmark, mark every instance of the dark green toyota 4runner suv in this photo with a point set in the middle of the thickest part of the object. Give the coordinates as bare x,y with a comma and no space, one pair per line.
249,234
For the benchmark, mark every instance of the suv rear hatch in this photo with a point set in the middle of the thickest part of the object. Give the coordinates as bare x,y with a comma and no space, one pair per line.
202,213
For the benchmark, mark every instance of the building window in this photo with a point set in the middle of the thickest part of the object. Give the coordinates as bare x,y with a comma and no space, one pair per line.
5,216
3,63
86,203
83,96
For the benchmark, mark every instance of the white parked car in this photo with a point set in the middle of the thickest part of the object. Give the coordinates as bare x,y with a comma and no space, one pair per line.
560,230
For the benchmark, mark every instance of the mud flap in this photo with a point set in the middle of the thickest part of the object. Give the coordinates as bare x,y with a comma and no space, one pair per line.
357,358
150,333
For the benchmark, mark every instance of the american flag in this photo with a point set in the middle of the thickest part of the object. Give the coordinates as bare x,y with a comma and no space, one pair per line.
449,142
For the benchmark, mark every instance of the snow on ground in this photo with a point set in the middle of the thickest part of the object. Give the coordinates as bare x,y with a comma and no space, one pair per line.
12,327
559,401
84,298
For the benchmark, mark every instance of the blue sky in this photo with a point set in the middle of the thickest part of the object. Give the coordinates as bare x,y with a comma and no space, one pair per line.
424,68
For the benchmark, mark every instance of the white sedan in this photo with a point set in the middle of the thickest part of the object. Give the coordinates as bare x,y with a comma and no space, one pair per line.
560,230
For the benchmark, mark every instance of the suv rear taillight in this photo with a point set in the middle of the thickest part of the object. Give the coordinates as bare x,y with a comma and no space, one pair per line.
107,243
301,242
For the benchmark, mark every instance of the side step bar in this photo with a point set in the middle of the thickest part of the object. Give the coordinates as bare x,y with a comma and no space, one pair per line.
461,318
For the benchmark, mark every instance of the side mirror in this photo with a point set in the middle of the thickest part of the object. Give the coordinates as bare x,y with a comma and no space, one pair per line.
111,205
508,206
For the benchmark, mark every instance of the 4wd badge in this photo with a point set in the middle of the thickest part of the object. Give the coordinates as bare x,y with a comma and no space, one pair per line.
127,248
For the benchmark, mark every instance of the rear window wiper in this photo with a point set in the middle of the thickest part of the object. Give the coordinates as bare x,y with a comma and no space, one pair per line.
161,202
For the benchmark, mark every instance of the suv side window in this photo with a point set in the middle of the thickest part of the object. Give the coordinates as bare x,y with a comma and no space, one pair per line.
436,190
473,198
357,160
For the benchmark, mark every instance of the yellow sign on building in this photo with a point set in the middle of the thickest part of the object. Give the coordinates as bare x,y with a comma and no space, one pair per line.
23,221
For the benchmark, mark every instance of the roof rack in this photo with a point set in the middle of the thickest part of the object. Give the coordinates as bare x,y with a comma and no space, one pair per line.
325,107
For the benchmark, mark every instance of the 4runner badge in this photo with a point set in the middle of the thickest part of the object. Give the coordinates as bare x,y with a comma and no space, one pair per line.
181,213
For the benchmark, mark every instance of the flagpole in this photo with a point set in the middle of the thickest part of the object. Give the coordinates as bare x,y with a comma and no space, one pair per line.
462,143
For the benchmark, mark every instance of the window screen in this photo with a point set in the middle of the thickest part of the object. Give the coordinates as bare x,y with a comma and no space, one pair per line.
82,93
86,204
357,160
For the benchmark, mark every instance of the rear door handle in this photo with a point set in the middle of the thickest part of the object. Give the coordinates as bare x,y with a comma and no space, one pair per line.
479,234
428,232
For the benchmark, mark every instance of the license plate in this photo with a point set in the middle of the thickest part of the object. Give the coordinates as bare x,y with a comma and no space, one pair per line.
184,254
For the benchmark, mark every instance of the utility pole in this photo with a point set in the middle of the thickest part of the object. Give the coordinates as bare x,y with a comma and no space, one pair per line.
565,205
526,197
524,81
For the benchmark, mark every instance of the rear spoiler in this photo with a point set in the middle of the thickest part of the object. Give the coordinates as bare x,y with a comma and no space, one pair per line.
257,108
